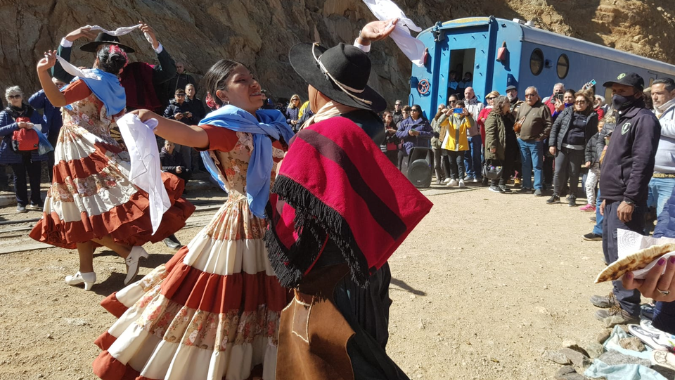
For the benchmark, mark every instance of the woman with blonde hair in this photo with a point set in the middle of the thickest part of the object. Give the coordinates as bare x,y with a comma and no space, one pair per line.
293,112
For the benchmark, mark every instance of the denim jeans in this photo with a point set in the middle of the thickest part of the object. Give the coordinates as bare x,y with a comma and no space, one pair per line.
598,216
532,158
21,186
660,189
628,299
472,158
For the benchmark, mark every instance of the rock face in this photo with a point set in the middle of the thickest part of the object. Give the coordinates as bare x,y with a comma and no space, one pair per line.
260,33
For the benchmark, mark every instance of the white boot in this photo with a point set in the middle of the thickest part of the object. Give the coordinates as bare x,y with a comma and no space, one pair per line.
132,262
88,279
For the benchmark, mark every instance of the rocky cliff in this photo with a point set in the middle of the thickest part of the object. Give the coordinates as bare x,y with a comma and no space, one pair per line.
260,33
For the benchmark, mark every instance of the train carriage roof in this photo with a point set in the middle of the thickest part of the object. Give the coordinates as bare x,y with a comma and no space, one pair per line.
546,38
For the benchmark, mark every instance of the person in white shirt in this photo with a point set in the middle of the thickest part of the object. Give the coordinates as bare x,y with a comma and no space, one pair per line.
663,180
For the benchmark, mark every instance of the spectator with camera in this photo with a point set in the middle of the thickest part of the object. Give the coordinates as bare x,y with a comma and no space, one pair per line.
172,162
455,124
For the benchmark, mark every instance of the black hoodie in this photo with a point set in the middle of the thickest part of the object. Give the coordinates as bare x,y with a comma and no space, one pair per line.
629,161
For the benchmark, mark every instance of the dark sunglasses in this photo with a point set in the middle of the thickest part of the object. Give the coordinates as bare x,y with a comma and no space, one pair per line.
180,95
489,98
14,96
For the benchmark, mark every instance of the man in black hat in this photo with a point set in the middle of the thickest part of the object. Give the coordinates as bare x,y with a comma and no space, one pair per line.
140,92
512,94
627,169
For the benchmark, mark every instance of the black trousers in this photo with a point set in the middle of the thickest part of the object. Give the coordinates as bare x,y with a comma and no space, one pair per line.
457,169
508,163
20,185
628,299
440,163
567,165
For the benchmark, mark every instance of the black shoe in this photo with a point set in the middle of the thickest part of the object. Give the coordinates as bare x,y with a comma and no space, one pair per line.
592,237
525,190
572,202
494,189
554,199
172,242
484,181
538,193
503,189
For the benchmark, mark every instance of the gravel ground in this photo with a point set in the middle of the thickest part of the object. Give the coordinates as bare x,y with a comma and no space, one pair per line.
481,288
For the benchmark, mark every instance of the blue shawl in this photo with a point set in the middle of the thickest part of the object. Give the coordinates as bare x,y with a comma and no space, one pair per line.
107,88
272,124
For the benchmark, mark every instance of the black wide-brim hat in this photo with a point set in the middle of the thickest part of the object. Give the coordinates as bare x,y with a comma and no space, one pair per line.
349,68
104,39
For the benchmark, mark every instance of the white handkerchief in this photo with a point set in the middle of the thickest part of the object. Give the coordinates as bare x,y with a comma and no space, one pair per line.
629,242
76,71
146,168
117,32
409,45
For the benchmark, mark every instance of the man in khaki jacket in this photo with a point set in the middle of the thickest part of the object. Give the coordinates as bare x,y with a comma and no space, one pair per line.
535,118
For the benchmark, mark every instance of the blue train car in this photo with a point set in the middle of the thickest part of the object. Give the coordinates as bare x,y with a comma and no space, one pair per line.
531,57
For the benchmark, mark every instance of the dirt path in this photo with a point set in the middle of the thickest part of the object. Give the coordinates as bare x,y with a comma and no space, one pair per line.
481,288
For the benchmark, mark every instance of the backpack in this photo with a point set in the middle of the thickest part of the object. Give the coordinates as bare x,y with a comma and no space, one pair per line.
25,140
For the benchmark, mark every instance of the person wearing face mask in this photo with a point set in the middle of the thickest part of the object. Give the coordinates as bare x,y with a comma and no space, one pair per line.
52,121
663,181
472,157
624,183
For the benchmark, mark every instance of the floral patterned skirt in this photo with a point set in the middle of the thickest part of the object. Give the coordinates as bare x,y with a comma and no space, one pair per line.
212,312
91,196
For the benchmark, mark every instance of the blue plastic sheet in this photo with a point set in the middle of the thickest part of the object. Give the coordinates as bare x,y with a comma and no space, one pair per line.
621,372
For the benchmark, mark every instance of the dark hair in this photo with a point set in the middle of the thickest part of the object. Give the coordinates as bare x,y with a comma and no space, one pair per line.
179,91
216,77
416,106
111,62
570,91
460,103
668,83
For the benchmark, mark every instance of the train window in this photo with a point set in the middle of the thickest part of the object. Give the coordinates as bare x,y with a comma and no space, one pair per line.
537,62
563,66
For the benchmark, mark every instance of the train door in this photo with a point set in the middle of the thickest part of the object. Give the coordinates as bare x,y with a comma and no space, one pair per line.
465,62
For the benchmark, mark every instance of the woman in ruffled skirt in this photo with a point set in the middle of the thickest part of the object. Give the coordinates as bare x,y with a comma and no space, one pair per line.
212,312
91,201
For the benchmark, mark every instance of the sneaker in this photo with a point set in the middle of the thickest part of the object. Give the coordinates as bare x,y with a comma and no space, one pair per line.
538,193
503,189
453,182
587,208
461,184
517,182
554,199
604,302
592,237
466,177
615,316
494,189
20,209
572,202
524,190
34,207
446,181
477,180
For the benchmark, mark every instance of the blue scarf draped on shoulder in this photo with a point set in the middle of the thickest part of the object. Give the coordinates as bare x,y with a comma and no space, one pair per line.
107,88
270,123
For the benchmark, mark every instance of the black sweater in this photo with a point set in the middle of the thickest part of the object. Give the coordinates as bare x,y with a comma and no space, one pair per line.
629,161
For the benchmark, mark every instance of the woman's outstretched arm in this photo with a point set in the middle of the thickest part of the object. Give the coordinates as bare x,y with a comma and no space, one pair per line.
175,131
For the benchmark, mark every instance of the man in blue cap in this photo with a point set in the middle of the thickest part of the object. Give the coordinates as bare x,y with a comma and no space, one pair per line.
624,185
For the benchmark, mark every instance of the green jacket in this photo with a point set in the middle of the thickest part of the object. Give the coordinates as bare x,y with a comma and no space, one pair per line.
495,137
